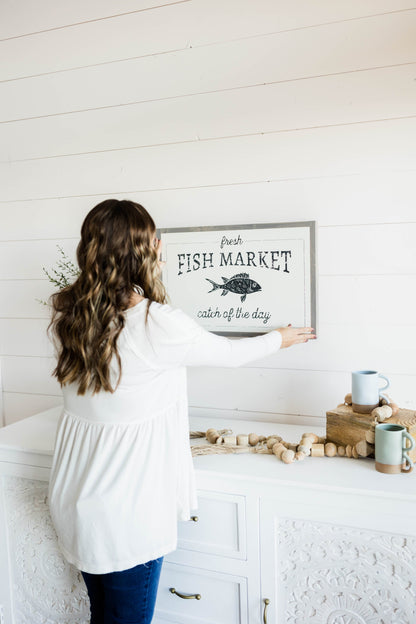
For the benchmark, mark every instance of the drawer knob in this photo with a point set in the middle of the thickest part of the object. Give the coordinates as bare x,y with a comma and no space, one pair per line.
266,604
194,518
196,596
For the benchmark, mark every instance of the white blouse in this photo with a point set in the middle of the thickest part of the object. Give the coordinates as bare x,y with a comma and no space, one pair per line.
122,473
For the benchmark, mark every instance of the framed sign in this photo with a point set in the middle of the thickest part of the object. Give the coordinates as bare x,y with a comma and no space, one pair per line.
242,280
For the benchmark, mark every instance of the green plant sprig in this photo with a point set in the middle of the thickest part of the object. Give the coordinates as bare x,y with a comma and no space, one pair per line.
63,277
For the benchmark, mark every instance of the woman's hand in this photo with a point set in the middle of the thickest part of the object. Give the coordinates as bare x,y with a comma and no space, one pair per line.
295,335
158,245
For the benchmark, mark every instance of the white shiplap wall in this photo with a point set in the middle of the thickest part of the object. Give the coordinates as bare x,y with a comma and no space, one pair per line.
216,112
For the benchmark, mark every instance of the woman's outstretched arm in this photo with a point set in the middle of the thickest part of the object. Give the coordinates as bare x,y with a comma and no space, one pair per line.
213,350
176,339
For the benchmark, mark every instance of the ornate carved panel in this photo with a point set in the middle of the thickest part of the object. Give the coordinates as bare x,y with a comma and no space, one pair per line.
332,574
46,588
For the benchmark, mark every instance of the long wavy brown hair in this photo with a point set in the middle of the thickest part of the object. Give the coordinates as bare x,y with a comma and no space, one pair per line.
117,256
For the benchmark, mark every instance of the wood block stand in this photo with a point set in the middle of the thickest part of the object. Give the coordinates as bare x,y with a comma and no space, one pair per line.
344,426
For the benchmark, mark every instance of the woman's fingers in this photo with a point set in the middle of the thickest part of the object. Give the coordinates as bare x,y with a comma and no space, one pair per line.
304,334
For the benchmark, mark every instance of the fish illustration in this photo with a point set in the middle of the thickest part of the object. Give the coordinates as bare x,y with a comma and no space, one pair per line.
240,284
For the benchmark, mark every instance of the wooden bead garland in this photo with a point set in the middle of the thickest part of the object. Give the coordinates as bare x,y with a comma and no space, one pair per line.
224,441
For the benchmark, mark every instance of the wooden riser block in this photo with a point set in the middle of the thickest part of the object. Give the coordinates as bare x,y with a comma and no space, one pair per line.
344,426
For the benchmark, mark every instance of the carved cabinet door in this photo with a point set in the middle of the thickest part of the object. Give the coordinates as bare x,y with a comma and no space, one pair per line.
319,566
43,587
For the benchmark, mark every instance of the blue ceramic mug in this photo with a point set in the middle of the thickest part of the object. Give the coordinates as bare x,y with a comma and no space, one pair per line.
391,450
366,391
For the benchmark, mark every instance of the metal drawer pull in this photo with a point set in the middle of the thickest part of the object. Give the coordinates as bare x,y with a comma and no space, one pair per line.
194,518
173,591
266,604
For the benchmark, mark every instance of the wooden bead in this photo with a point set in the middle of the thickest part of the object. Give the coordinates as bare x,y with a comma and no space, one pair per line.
348,450
382,413
278,449
354,453
230,439
253,439
292,447
288,456
262,438
321,440
272,440
330,449
370,436
313,437
341,451
395,409
212,435
299,456
318,450
384,401
242,439
364,449
304,448
219,440
348,399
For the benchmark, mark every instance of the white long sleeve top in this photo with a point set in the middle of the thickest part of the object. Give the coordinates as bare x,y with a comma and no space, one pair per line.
122,473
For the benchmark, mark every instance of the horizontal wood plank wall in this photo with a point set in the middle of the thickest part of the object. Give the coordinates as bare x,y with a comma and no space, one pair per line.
215,112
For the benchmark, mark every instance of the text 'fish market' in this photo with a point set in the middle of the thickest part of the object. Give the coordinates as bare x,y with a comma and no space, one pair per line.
188,262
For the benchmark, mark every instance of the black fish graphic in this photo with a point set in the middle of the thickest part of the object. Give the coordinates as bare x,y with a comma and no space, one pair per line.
240,284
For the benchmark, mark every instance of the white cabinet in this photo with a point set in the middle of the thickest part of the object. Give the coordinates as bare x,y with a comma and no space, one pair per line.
222,597
325,541
348,560
209,571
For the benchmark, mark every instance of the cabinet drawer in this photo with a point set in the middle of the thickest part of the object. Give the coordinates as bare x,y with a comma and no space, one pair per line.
220,528
223,597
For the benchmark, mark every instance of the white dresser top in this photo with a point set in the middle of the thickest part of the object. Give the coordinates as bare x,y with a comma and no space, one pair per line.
30,441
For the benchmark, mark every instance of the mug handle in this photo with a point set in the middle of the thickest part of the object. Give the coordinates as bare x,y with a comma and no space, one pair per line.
405,448
387,384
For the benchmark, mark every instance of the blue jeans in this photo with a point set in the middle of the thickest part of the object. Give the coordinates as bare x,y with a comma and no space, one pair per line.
126,597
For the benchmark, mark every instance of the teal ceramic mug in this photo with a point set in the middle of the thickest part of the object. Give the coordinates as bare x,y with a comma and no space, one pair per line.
391,449
366,391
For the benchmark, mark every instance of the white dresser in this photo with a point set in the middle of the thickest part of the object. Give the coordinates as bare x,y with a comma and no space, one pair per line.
323,541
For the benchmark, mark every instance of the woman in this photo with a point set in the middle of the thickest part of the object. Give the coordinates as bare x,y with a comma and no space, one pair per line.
122,471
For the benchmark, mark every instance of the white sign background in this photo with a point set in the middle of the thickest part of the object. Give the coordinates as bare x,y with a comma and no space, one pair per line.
274,273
